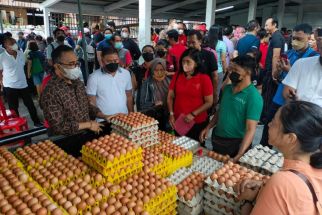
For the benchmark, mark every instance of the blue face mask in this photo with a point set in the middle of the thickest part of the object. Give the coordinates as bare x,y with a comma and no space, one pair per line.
118,45
108,36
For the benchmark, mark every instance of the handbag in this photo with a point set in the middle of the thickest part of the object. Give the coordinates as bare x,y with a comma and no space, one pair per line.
317,204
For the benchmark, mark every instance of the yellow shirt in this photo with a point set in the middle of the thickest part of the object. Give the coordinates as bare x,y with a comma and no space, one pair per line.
286,193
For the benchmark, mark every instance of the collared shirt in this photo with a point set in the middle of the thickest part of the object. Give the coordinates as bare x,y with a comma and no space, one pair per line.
293,56
13,70
277,41
174,55
51,47
306,77
66,105
235,109
245,44
286,193
110,90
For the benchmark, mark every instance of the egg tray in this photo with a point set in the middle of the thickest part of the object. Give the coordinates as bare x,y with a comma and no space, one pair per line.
165,137
116,175
161,168
177,163
144,142
138,134
212,193
224,209
210,211
205,165
178,176
40,189
195,200
183,209
187,143
129,128
8,160
117,161
44,160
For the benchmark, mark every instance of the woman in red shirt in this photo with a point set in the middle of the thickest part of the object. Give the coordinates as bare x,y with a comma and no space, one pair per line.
190,93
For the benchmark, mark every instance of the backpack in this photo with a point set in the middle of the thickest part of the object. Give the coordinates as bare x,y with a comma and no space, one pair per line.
90,51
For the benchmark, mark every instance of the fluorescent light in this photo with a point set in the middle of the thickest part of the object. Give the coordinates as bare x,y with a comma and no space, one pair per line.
224,8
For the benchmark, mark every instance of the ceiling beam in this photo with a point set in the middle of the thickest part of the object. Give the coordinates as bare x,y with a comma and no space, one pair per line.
118,5
219,6
49,3
174,6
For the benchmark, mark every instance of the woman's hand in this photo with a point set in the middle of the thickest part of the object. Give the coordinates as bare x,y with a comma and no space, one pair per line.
172,121
95,127
248,189
188,118
204,134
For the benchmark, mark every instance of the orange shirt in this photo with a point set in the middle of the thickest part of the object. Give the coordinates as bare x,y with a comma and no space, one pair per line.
286,193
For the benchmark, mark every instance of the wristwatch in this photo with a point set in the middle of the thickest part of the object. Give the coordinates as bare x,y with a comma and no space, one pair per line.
171,113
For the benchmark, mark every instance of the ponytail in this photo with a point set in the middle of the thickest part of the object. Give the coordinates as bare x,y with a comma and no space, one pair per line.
316,160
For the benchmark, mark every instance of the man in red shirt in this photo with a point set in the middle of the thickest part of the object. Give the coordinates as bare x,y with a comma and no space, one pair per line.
176,49
182,36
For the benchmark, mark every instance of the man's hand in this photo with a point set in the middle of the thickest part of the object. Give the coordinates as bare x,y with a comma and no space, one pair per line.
108,118
95,127
236,158
188,118
248,189
29,75
204,134
172,121
285,66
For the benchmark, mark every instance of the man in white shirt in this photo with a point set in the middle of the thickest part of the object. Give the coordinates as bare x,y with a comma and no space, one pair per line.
304,81
59,41
110,87
13,79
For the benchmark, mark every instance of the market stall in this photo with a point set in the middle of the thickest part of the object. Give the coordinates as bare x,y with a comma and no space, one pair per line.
136,169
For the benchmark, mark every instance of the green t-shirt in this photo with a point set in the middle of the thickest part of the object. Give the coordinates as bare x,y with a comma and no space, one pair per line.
235,109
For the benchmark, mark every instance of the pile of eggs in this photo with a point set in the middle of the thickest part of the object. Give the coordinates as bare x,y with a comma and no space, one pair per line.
18,195
218,157
133,121
58,171
110,147
38,153
231,173
151,158
191,186
6,158
172,151
80,194
165,137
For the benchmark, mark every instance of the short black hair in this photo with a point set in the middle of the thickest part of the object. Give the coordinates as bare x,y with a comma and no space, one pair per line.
59,51
33,46
127,27
8,39
157,30
20,33
57,30
247,62
262,33
85,25
148,46
195,32
115,35
7,34
39,38
274,21
306,28
163,42
112,24
227,30
109,51
252,25
194,54
50,39
109,29
173,34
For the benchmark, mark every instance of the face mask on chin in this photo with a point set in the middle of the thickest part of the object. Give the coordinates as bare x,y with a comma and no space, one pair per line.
234,77
14,47
72,74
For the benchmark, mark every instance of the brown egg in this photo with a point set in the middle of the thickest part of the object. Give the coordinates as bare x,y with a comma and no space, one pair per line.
90,201
138,209
229,183
110,209
5,208
11,212
81,206
95,210
72,210
57,211
32,201
41,211
76,200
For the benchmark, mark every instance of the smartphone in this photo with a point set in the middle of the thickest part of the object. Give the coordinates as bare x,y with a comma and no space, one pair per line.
319,32
284,58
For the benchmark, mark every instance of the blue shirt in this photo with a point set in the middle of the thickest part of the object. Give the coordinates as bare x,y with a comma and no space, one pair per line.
246,43
103,44
293,56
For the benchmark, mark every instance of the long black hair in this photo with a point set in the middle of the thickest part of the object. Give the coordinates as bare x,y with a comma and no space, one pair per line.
214,34
194,54
305,120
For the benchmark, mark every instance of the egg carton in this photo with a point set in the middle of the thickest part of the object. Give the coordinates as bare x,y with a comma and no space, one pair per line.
184,209
187,143
195,199
8,160
211,211
224,209
216,186
221,199
178,176
137,134
147,140
211,193
166,137
205,165
129,128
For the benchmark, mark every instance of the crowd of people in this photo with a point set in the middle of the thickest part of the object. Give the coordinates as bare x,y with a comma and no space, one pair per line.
224,79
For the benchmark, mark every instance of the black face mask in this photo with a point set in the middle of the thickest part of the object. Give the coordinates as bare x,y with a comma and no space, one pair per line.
321,60
148,56
61,38
111,67
234,77
161,53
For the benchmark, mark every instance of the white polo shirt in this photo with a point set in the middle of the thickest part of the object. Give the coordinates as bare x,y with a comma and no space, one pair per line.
13,70
306,77
109,90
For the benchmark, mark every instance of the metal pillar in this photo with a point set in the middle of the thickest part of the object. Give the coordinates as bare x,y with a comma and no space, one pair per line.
267,12
210,12
46,21
1,22
280,13
144,22
252,10
300,13
81,28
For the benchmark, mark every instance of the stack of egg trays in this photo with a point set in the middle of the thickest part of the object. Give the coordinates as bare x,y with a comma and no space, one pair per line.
187,143
205,165
262,160
178,176
218,197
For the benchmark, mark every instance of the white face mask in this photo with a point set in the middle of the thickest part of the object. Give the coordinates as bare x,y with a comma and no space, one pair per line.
14,47
125,35
180,31
73,74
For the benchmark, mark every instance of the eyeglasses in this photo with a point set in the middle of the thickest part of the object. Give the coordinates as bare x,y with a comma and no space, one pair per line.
70,65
